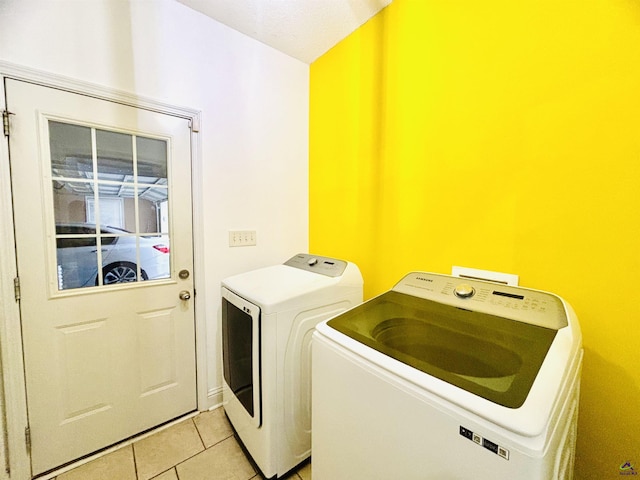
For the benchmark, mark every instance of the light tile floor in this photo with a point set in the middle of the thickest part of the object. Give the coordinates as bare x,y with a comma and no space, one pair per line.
199,448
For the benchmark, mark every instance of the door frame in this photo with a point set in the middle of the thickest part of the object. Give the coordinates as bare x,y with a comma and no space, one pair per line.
14,457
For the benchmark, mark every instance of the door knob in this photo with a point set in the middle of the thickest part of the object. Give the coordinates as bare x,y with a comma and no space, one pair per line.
184,295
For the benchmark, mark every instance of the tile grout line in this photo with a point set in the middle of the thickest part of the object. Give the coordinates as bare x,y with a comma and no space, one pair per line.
195,425
255,476
174,467
205,448
167,470
135,461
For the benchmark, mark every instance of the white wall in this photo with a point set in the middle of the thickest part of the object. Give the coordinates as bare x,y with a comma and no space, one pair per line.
254,103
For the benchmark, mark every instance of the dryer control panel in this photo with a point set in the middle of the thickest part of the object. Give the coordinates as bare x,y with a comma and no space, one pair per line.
517,303
330,267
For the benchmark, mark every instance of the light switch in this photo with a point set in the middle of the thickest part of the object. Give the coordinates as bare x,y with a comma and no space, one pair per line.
242,238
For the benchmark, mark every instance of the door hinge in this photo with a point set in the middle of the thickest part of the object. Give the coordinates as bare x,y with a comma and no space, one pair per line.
16,288
5,122
27,438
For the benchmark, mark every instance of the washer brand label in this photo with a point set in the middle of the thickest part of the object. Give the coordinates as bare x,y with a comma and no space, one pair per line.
425,279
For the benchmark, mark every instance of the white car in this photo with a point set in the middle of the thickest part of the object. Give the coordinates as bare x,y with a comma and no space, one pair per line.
78,257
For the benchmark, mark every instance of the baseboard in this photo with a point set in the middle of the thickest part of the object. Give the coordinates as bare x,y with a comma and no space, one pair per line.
214,398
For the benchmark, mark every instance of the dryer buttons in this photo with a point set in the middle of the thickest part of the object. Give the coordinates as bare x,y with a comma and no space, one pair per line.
464,290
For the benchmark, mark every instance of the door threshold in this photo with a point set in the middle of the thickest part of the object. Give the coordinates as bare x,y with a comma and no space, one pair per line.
125,443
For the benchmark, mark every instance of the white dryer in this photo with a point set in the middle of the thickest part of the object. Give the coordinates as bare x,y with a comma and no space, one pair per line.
268,318
443,378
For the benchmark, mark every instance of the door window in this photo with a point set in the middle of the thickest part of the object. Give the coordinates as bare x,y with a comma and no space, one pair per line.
110,193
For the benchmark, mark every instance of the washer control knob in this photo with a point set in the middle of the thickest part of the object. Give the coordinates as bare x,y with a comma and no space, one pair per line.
312,262
464,290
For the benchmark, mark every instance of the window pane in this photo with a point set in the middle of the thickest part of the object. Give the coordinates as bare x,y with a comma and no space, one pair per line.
119,273
152,159
70,147
115,156
119,257
77,262
112,210
155,257
70,201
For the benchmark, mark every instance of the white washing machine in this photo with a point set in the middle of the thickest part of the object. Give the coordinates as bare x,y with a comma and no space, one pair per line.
268,318
442,378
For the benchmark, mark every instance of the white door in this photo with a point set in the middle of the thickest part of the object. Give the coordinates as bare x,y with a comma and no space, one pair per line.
109,343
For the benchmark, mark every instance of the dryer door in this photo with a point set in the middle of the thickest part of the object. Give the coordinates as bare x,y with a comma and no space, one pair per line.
241,352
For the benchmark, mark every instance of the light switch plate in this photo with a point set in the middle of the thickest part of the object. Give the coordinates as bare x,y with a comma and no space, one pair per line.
242,238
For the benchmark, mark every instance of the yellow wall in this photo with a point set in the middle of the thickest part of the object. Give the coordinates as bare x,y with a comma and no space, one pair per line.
498,135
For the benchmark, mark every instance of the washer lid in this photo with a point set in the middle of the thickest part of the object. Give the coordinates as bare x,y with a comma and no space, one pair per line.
494,357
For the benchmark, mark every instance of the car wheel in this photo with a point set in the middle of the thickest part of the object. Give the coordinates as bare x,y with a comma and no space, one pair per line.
120,272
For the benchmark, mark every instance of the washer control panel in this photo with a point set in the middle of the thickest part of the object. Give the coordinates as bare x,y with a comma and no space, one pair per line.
330,267
518,303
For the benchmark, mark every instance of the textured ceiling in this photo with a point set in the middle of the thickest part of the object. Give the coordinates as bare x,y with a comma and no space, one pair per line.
303,29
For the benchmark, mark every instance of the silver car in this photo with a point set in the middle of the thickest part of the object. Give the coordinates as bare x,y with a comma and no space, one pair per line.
78,257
